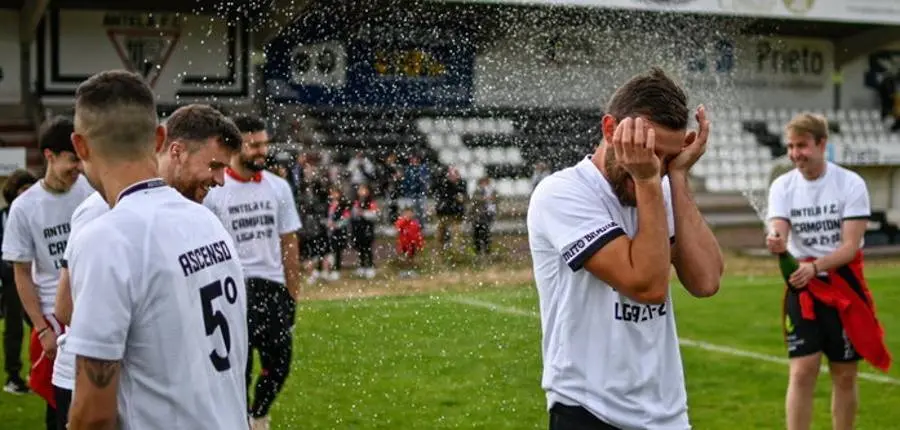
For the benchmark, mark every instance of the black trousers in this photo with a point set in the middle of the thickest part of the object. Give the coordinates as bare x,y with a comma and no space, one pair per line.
481,237
63,401
50,420
363,242
338,243
14,331
563,417
270,321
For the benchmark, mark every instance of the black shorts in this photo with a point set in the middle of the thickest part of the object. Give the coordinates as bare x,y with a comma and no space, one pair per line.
823,334
564,417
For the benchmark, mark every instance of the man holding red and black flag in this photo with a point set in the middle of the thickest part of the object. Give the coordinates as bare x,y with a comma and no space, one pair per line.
818,212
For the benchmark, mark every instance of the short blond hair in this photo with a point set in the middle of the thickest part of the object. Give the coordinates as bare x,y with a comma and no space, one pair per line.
809,123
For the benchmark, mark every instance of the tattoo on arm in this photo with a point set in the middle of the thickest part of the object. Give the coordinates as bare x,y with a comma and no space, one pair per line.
99,372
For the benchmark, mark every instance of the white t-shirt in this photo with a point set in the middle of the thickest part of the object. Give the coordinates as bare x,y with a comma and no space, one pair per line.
64,364
257,213
37,231
617,358
157,284
816,209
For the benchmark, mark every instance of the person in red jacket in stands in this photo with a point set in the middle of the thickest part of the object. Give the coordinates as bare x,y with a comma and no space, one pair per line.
409,241
818,212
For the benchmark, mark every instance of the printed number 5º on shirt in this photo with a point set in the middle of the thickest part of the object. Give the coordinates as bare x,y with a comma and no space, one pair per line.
214,319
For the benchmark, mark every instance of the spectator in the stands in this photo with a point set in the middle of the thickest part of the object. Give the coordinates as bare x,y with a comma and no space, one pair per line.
390,175
414,186
890,103
484,210
314,211
363,217
361,171
295,173
277,168
541,171
410,241
10,305
450,198
337,222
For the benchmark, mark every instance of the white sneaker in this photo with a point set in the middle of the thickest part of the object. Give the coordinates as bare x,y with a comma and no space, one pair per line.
334,275
16,386
370,273
261,423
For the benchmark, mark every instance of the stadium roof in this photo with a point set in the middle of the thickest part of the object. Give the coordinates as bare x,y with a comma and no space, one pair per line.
143,5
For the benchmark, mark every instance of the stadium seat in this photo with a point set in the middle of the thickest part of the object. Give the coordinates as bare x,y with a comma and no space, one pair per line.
476,171
457,126
447,156
454,141
522,187
514,155
504,187
497,156
435,141
481,155
473,126
425,125
464,156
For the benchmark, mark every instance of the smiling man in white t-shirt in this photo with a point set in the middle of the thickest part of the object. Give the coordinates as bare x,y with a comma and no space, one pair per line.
603,235
36,235
257,208
819,212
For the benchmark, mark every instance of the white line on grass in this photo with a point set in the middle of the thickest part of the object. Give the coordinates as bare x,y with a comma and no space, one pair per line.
686,342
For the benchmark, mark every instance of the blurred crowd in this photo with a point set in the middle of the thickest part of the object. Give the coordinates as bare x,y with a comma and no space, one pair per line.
342,204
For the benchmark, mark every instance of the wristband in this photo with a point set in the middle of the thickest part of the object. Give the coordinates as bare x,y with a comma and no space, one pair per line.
41,332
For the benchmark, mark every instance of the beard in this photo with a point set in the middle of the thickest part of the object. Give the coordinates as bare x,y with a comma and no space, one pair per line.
256,164
618,179
193,191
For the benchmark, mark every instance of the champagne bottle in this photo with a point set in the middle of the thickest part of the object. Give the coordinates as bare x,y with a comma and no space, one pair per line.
787,263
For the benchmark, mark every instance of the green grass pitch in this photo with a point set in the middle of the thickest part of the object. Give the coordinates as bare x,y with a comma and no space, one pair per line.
471,360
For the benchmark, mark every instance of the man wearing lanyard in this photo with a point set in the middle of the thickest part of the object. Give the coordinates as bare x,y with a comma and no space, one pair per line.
199,143
159,320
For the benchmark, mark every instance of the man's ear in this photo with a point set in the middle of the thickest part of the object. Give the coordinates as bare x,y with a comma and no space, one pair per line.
175,149
608,127
160,139
82,150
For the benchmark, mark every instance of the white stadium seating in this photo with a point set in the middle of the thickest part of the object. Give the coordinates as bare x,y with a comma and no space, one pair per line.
736,161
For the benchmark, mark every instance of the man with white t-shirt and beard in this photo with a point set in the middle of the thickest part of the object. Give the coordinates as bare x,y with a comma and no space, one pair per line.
257,208
34,241
159,320
199,142
819,212
603,235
